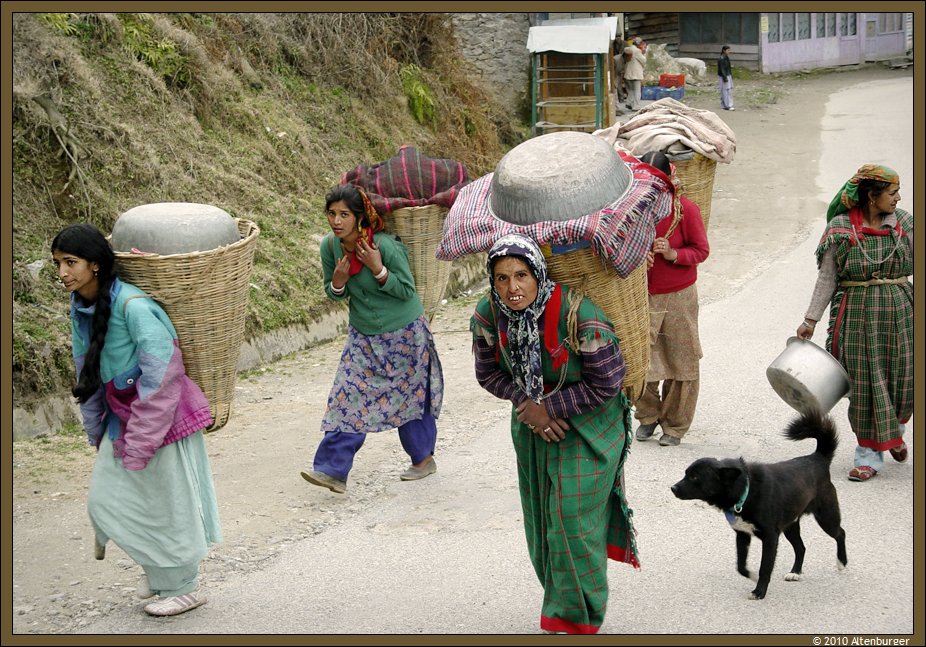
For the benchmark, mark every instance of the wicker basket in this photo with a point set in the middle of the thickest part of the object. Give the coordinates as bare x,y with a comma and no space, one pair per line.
421,229
624,301
205,294
697,176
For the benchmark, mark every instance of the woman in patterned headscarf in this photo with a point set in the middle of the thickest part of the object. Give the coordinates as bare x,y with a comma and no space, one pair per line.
864,259
390,375
555,356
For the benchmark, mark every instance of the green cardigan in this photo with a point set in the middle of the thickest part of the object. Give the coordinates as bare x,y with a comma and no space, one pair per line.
375,308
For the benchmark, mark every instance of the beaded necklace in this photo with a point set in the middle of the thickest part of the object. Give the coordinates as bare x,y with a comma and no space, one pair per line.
868,258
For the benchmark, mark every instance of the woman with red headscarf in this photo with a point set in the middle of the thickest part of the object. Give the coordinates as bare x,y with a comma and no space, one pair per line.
864,259
390,375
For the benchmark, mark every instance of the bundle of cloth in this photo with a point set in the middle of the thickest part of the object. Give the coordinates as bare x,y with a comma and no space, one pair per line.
675,129
621,232
409,179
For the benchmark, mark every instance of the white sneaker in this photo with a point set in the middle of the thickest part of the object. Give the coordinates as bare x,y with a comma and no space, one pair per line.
174,605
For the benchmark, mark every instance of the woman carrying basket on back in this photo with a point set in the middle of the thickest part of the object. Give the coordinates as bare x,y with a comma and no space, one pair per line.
675,348
151,491
554,355
389,374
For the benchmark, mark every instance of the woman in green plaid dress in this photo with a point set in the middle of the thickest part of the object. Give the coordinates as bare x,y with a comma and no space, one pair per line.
864,259
555,356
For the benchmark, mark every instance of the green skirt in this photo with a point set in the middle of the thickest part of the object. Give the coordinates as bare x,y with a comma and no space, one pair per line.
575,513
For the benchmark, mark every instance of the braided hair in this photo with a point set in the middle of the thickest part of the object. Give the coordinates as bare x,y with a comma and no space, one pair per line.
86,241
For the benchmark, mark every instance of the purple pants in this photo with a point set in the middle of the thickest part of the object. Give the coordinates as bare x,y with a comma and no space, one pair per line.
335,453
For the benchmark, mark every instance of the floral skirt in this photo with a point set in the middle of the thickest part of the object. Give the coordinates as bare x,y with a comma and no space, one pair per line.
385,380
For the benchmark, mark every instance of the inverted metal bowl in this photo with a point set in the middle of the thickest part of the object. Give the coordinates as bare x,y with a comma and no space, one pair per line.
174,228
557,176
807,377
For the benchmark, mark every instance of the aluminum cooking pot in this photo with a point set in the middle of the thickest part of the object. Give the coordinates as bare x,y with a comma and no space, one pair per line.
807,377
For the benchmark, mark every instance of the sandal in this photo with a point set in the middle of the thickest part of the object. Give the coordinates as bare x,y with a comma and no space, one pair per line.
899,454
174,605
862,473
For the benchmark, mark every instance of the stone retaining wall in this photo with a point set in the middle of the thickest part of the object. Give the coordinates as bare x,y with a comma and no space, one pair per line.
495,44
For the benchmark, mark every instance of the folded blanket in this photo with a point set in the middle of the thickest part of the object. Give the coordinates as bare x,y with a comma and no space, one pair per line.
670,126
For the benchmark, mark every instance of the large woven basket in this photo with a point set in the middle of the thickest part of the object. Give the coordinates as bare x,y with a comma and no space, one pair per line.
624,301
421,229
697,176
205,294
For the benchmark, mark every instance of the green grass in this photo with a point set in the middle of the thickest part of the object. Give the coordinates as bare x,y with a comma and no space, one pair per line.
166,116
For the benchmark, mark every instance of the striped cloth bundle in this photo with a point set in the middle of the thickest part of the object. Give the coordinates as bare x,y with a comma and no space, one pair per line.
409,179
621,232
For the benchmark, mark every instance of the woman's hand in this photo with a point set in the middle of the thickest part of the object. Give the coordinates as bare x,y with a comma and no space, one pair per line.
341,273
535,416
650,259
370,256
805,330
661,246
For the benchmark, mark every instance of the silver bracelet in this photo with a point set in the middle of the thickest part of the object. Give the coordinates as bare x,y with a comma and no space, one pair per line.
337,290
382,274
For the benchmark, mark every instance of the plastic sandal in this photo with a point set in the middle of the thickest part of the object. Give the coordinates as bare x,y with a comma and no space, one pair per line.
174,605
899,454
862,473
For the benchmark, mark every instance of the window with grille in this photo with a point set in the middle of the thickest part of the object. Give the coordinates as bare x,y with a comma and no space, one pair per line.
787,26
803,26
719,28
774,33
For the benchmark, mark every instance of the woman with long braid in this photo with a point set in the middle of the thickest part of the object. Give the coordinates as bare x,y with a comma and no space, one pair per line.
151,491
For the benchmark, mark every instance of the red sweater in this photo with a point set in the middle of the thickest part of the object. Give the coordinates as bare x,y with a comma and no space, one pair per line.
690,239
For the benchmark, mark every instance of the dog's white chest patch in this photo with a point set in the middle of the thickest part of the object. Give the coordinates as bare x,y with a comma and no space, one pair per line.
738,523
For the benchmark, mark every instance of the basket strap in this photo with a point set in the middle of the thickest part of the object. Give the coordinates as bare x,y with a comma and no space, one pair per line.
134,296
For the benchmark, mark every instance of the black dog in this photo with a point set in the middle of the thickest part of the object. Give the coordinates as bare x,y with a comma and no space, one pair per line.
766,500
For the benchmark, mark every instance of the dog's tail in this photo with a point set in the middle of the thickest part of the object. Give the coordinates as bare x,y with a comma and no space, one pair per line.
813,424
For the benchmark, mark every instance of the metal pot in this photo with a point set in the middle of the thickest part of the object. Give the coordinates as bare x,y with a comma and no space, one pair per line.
557,176
806,376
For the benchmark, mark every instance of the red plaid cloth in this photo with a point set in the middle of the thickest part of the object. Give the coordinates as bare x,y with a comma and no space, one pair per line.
622,232
409,179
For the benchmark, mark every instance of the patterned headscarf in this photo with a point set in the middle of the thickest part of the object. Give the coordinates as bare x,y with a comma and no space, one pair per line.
523,325
376,221
366,233
847,197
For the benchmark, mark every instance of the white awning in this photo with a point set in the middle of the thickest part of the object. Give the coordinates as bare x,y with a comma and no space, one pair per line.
610,21
569,39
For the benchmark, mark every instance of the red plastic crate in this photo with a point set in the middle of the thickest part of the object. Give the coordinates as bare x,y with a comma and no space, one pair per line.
672,80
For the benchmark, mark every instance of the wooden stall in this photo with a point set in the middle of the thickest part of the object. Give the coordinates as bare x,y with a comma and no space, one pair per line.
571,79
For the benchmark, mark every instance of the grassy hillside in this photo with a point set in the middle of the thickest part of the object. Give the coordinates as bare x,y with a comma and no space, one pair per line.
258,114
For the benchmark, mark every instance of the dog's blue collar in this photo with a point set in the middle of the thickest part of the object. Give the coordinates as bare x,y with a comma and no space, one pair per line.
738,506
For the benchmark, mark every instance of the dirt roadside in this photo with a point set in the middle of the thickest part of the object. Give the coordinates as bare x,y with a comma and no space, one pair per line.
763,202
